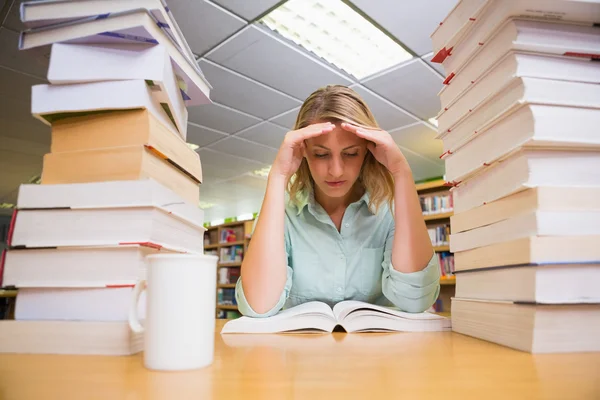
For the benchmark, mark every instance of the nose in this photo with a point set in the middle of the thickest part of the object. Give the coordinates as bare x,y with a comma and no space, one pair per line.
336,167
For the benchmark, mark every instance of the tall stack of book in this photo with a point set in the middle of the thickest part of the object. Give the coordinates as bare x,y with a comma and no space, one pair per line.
519,125
119,183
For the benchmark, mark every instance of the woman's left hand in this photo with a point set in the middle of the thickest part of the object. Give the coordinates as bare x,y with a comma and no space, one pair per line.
382,146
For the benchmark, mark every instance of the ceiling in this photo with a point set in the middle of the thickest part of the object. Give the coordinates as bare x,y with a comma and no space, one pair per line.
260,79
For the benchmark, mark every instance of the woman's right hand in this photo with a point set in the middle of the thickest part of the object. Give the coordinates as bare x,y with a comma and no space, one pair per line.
291,152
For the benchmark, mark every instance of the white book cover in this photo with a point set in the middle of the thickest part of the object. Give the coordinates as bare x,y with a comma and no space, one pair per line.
465,42
463,14
50,103
514,94
131,27
107,195
84,266
529,126
540,40
50,12
109,304
515,66
537,223
524,169
76,63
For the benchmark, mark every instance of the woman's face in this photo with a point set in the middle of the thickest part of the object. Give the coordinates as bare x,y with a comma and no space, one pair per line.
335,160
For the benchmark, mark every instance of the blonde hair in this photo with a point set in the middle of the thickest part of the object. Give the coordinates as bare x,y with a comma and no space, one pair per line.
336,103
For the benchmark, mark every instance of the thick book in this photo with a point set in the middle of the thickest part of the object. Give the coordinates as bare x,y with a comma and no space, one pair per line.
129,27
513,66
119,163
524,169
529,126
533,328
78,63
122,129
106,304
352,316
463,43
50,12
555,283
84,266
515,93
51,103
536,223
531,250
69,337
544,198
550,46
463,14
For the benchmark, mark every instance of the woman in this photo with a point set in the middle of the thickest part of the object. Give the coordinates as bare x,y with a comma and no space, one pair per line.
352,227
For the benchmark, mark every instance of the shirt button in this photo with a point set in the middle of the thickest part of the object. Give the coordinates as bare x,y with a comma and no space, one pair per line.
339,290
347,225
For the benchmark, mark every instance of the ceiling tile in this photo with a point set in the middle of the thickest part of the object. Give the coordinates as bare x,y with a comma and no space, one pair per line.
247,149
236,91
248,10
286,120
412,86
265,133
388,115
419,138
411,22
13,17
228,162
437,66
204,24
203,136
423,168
221,118
32,61
261,56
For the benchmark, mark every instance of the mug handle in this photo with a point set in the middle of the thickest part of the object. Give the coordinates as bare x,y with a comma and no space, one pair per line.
134,322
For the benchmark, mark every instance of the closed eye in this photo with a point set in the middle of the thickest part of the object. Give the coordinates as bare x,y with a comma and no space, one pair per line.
351,154
321,155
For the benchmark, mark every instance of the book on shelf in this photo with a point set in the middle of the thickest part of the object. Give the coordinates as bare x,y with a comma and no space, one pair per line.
536,223
51,103
42,13
228,275
85,63
104,304
121,129
520,66
70,215
553,283
463,43
446,260
353,316
119,163
543,198
524,169
535,328
128,27
528,48
69,337
231,254
531,250
84,266
439,235
530,126
515,93
226,297
436,203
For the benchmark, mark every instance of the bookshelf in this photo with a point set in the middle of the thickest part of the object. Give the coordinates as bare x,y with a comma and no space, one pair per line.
439,219
228,241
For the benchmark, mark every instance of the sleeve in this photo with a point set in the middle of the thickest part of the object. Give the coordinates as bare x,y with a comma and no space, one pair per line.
412,292
243,305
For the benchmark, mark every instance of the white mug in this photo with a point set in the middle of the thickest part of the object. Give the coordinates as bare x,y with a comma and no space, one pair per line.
180,311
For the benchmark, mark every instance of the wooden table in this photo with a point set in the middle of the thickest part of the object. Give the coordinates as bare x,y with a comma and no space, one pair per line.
340,366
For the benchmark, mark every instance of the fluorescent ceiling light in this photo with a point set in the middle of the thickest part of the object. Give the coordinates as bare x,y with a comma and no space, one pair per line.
335,32
193,146
263,172
204,205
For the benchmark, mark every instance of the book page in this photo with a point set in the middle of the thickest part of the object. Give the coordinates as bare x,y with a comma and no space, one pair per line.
343,309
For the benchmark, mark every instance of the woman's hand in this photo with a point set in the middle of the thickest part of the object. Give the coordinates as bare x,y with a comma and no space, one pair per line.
382,146
291,152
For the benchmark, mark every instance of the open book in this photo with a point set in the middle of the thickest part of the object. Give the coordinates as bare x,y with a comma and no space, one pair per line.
353,316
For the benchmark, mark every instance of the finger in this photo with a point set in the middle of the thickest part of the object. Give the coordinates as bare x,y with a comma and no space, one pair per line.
368,134
371,146
312,131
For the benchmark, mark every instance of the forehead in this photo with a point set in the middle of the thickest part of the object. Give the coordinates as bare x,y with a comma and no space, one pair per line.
336,140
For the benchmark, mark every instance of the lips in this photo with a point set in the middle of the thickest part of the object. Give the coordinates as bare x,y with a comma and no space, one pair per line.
336,183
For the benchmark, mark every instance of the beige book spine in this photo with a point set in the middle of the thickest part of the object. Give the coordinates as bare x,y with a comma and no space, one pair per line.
124,128
114,164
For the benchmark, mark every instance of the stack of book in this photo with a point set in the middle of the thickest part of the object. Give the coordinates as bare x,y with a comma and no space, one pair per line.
119,183
519,125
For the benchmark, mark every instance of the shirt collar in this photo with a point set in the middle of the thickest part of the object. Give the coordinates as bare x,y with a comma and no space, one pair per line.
307,199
